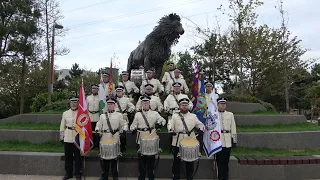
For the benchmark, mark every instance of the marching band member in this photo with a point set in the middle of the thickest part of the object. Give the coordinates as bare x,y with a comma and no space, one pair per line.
128,85
179,131
228,138
157,86
167,76
67,134
106,81
209,88
125,107
93,108
155,102
111,124
145,122
177,78
171,102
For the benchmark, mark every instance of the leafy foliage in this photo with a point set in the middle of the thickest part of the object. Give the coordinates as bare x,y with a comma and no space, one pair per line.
61,105
40,100
75,71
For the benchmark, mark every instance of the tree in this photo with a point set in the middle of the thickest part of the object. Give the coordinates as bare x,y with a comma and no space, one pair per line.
315,72
242,18
75,71
313,94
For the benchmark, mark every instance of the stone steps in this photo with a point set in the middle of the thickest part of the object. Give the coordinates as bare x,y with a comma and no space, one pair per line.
52,164
245,120
273,140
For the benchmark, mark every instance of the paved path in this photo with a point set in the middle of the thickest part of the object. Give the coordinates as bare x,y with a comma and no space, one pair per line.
34,177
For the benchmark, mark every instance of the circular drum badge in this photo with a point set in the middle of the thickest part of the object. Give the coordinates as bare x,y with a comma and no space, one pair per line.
83,119
215,135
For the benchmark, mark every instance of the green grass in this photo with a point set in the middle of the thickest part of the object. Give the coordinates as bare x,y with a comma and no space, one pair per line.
30,126
252,152
279,128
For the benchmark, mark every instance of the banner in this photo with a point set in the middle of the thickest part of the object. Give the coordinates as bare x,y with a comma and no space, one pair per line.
199,99
102,95
212,135
83,137
110,88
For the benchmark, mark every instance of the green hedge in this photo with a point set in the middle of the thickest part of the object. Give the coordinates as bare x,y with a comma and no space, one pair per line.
62,105
250,99
41,100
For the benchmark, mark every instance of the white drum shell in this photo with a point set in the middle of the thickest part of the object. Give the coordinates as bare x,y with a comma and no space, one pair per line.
189,153
149,147
110,151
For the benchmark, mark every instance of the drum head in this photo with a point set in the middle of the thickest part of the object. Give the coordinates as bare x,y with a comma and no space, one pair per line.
108,140
189,142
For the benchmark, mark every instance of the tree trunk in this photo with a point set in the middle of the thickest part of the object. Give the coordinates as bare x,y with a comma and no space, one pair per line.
48,53
22,84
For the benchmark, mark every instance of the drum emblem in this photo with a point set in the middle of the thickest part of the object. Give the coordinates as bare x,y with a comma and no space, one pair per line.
215,136
83,119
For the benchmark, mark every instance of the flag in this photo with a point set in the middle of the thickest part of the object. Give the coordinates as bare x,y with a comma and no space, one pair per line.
199,99
212,134
101,94
195,86
83,137
110,88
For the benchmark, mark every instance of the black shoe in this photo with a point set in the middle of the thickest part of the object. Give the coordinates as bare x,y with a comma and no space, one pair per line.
65,177
78,177
115,178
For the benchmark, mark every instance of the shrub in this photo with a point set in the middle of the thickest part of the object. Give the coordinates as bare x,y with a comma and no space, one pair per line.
41,100
62,105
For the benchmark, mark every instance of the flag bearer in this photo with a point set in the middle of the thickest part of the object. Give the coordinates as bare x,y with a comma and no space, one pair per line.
67,134
228,138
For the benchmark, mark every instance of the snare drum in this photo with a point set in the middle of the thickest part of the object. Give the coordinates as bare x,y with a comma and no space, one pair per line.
109,148
149,144
189,149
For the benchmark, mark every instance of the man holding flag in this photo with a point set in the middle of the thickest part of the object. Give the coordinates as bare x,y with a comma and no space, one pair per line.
67,134
228,138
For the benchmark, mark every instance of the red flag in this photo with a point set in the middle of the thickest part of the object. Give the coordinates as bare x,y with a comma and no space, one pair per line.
83,137
110,88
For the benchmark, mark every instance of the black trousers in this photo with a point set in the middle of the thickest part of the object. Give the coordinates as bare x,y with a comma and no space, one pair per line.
146,165
223,158
105,165
70,151
96,137
176,166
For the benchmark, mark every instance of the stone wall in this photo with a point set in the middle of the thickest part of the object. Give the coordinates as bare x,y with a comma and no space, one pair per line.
240,119
274,140
239,107
35,163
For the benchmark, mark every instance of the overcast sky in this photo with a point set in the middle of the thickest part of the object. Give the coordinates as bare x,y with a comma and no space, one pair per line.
100,28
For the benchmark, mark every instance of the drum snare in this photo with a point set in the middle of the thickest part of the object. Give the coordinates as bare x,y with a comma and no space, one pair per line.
109,148
149,144
189,149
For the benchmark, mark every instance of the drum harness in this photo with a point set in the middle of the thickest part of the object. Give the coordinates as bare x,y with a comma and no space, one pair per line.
189,133
150,130
125,89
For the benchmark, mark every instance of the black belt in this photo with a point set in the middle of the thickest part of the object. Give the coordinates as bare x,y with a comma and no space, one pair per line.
93,112
225,131
144,129
108,131
174,108
71,128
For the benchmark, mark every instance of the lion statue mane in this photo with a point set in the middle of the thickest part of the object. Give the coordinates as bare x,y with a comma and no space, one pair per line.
156,48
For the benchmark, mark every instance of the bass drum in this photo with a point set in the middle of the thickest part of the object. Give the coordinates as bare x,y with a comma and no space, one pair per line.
137,76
